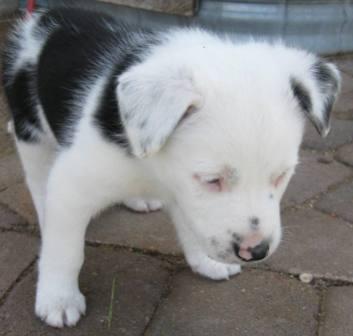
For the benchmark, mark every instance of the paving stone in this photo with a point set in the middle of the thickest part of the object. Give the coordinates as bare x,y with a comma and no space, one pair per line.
253,303
140,282
16,253
10,171
338,307
339,202
345,154
344,103
9,219
18,199
314,174
315,243
344,63
347,83
341,133
153,231
6,142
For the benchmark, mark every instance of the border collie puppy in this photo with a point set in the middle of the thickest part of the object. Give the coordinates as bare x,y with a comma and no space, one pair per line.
105,113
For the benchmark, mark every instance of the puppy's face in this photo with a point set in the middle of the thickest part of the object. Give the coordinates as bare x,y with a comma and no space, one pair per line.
222,139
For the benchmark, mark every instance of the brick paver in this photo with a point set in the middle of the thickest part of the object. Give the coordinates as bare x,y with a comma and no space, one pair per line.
337,311
153,231
140,282
10,171
313,176
16,253
9,219
253,303
345,154
341,133
339,202
19,200
315,243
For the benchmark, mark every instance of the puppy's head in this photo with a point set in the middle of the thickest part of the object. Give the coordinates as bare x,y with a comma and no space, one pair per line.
219,126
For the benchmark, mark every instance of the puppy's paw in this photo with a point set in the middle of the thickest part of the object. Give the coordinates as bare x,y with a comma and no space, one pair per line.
141,205
213,269
60,308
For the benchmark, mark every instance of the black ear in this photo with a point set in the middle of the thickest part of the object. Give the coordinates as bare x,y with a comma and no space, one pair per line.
317,93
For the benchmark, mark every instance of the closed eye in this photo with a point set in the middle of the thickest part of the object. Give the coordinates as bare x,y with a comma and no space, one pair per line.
211,182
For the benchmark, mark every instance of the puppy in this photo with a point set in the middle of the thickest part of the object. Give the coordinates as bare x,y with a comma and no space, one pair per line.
105,113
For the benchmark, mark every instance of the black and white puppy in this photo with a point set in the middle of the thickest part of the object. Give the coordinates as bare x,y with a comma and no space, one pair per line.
107,113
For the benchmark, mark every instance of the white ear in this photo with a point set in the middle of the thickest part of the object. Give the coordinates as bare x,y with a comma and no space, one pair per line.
152,101
317,92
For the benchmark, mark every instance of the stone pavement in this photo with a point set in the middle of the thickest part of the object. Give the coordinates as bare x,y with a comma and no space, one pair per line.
156,293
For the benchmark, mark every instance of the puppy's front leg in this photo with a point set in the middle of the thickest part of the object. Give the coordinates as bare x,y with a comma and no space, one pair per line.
71,201
197,259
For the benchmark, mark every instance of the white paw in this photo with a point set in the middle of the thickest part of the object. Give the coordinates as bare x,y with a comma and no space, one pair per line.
141,205
213,269
60,308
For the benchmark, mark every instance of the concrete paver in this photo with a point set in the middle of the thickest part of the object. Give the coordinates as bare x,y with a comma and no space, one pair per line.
347,83
140,282
313,176
10,171
344,63
6,142
341,133
339,202
153,231
337,308
9,219
18,199
315,243
252,303
16,253
343,104
345,154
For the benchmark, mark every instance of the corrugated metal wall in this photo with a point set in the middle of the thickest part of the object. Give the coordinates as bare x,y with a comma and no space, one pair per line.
318,25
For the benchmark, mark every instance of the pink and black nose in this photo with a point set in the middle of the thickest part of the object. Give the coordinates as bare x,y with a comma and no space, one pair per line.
251,248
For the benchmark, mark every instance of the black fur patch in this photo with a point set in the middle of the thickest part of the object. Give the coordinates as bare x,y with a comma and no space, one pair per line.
70,56
302,95
21,103
328,85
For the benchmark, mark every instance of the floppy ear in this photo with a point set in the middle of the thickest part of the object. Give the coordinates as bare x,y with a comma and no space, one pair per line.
317,92
152,102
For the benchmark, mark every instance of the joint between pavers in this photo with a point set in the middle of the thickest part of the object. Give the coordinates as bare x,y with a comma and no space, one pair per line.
163,297
320,316
28,269
173,260
319,280
310,202
335,216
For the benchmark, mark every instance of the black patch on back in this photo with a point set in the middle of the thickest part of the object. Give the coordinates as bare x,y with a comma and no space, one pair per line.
302,95
107,116
20,99
82,46
67,59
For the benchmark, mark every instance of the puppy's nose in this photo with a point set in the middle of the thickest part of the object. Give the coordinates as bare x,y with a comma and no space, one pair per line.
248,253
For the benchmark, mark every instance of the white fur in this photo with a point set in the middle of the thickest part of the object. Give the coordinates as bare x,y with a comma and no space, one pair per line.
243,119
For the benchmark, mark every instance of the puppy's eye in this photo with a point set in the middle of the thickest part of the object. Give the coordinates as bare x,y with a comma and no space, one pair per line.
279,179
212,183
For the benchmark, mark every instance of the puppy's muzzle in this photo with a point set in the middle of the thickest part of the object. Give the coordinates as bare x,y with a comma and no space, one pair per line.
251,253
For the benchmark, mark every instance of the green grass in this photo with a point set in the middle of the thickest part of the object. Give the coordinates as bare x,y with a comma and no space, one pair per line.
111,305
